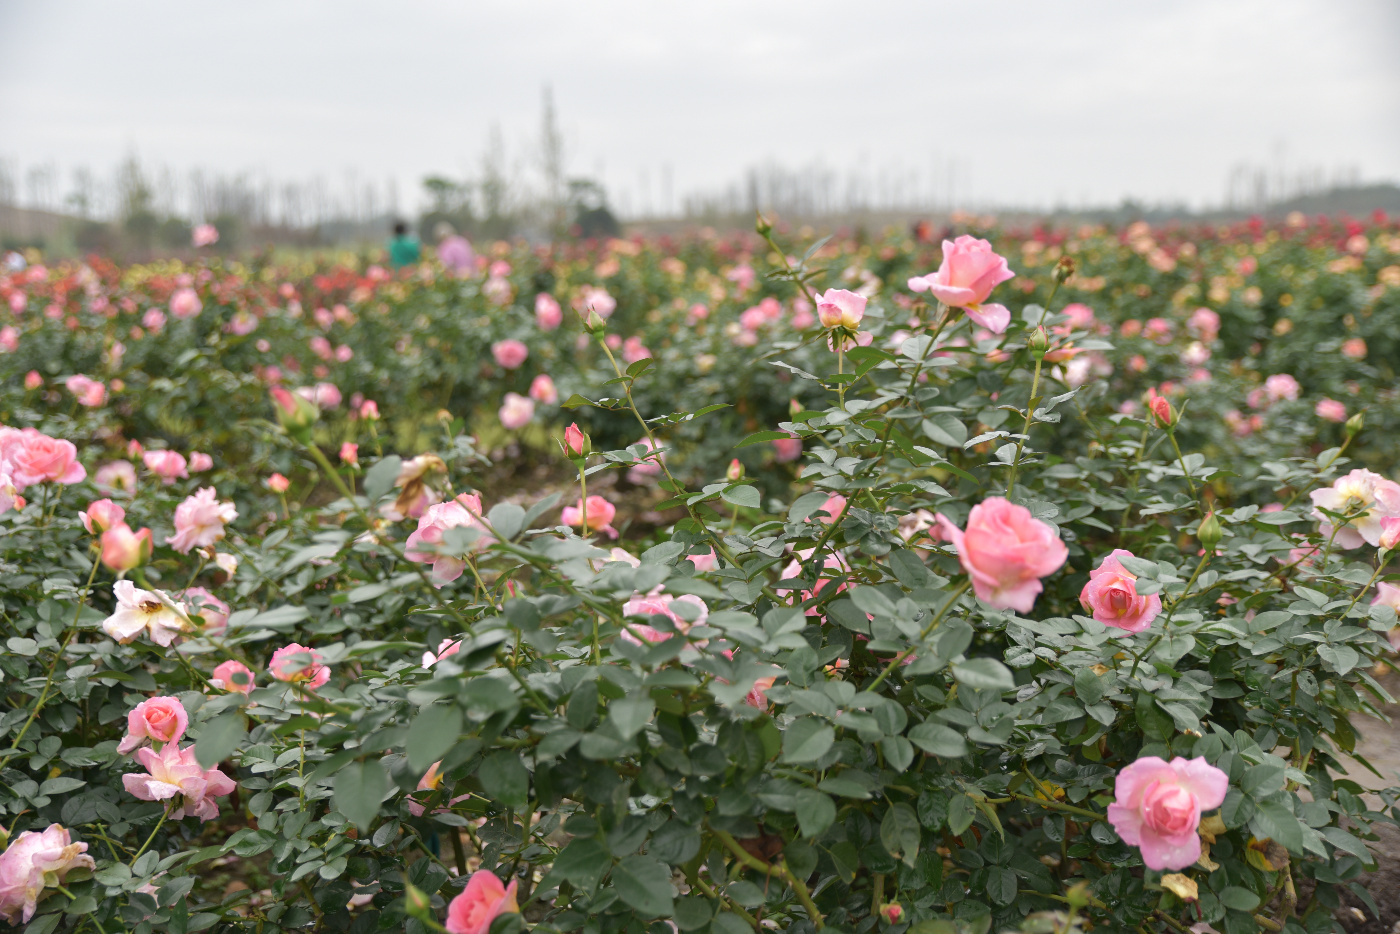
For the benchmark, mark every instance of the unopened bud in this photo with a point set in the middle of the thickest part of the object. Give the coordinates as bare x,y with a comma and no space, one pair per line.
295,413
893,913
1079,896
1064,269
763,225
1355,424
1209,532
576,443
1039,342
735,471
417,903
794,407
594,321
1161,408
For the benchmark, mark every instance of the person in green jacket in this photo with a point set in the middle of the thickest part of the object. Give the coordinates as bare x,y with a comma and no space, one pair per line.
404,249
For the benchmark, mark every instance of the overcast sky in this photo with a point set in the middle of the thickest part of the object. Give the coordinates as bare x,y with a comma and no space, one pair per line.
1018,101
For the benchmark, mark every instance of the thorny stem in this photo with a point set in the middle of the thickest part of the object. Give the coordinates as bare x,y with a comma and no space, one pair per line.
944,317
932,624
154,830
780,869
801,284
1186,474
1026,430
1186,592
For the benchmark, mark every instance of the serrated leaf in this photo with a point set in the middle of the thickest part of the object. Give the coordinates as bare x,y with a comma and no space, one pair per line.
358,790
433,732
219,737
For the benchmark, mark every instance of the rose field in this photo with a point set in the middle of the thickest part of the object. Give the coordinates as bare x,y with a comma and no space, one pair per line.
1011,579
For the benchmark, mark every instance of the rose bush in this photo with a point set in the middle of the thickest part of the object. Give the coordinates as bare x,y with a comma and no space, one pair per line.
1001,649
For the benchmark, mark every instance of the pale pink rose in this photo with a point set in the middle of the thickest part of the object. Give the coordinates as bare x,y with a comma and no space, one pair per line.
1330,410
185,304
463,512
370,410
1195,354
1158,806
344,353
840,308
321,347
966,277
516,411
322,395
481,902
599,512
1365,496
593,298
696,313
153,320
200,462
33,861
277,483
168,465
205,235
32,457
548,314
123,549
542,390
1005,551
33,380
446,648
9,495
175,774
18,301
758,694
834,506
1205,324
350,453
149,611
509,353
299,664
1390,532
498,290
1281,386
705,562
618,554
1354,348
787,449
102,515
159,719
661,604
1080,317
633,350
89,392
456,255
1111,596
499,268
118,475
210,608
233,676
200,521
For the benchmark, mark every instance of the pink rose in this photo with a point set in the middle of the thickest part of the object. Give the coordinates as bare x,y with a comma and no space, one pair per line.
174,773
1390,533
118,475
277,483
599,514
463,512
446,648
159,719
1204,323
661,605
509,354
1158,806
456,255
149,611
758,694
648,467
200,521
633,350
1111,596
33,380
708,561
1354,348
1364,496
350,453
101,516
516,411
1331,410
593,298
200,462
575,440
370,410
123,549
548,314
34,457
787,450
967,275
33,861
233,676
322,395
833,507
90,392
205,235
299,665
185,304
168,465
9,339
1281,386
542,390
481,902
1005,550
210,608
839,308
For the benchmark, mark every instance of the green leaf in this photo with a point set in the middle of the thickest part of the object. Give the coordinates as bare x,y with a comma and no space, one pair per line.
1240,899
1275,821
506,519
807,740
61,785
359,789
758,437
805,505
630,714
900,833
938,740
1088,687
984,674
815,812
645,884
1001,885
219,737
961,811
946,430
380,478
505,779
583,862
433,732
742,495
